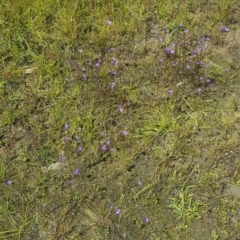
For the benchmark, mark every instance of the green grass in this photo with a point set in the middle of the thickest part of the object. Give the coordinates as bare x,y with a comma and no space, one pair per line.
147,112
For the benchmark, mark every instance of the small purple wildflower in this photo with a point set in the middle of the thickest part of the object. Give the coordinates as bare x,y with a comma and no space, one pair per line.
140,183
76,172
108,142
84,76
77,138
161,60
80,149
114,61
118,212
186,31
146,220
199,90
67,139
194,53
66,126
170,51
97,64
188,67
201,78
9,182
113,85
80,50
111,150
225,29
125,133
104,147
63,157
114,73
71,182
111,207
208,81
84,69
109,22
199,63
120,108
170,92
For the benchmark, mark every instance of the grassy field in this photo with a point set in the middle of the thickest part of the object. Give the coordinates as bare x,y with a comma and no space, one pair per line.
119,119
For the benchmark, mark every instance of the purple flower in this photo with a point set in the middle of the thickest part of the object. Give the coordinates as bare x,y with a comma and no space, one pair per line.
63,157
225,29
199,90
84,69
120,108
208,81
170,51
104,147
199,63
80,50
125,133
201,78
113,85
188,67
140,183
195,53
97,64
67,139
111,207
80,149
146,220
77,138
170,92
76,172
9,182
186,31
66,126
109,22
111,150
84,76
108,142
71,182
114,61
114,73
118,212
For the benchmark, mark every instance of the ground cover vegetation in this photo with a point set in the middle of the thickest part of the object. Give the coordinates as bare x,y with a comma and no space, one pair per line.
119,119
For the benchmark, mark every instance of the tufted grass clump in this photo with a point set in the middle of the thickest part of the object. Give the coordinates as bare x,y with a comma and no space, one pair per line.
119,119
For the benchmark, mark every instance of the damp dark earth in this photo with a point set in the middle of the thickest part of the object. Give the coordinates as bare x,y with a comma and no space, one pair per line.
120,120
